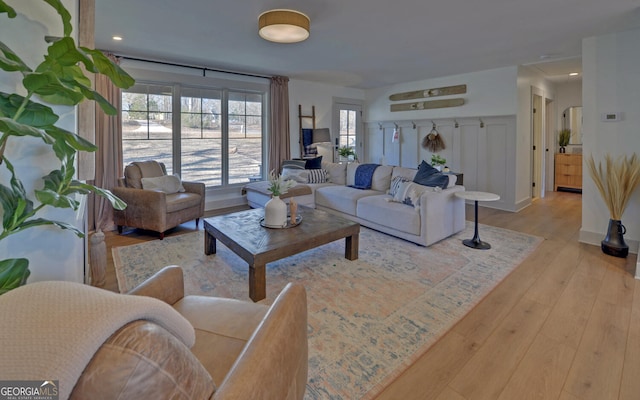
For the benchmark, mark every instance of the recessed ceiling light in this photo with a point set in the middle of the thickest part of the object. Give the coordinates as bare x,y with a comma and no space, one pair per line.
118,38
573,74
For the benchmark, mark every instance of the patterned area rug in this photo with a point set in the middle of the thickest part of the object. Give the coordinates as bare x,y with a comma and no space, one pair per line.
369,319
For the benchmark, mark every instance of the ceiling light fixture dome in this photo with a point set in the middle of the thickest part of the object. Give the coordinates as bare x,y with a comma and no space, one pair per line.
283,26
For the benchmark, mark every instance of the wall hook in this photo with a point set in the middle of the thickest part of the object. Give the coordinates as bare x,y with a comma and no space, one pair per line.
396,125
456,124
380,125
414,124
433,125
481,123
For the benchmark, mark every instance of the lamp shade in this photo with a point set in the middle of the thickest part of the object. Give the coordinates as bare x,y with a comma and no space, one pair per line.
321,135
283,26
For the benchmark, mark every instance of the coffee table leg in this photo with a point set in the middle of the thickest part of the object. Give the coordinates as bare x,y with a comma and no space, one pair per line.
257,282
351,247
209,243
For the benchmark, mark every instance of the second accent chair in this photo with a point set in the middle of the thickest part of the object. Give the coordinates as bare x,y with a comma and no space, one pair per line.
156,201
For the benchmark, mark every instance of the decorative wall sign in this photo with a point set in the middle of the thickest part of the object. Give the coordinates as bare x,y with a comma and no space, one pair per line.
420,94
426,105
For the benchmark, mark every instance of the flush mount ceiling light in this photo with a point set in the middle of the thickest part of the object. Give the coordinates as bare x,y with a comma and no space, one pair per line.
283,26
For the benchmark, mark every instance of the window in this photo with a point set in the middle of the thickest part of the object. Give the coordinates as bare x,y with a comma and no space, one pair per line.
146,124
348,128
218,134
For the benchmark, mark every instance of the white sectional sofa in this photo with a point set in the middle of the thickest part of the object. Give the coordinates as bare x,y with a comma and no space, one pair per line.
439,214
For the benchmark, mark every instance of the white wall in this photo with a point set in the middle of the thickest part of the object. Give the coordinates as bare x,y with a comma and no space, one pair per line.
320,95
610,83
53,254
489,93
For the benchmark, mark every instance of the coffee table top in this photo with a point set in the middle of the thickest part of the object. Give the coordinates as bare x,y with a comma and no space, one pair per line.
244,230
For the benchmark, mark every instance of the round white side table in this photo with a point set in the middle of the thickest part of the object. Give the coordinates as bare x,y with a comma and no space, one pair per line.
476,243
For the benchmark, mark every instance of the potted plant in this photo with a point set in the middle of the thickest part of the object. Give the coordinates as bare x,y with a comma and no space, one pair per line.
438,162
564,136
346,153
57,80
616,184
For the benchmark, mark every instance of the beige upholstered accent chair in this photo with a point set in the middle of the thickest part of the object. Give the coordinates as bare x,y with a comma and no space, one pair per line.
168,205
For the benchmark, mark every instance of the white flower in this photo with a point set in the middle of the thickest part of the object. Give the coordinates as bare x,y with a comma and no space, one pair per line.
279,185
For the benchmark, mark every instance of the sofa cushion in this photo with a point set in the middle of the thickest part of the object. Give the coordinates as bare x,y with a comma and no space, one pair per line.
341,198
408,173
220,337
165,183
181,201
337,172
351,173
429,176
380,210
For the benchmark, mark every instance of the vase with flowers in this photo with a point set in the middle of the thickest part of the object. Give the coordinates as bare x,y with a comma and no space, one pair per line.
275,210
616,183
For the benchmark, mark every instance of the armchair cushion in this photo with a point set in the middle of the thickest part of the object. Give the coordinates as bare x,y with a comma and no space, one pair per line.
166,183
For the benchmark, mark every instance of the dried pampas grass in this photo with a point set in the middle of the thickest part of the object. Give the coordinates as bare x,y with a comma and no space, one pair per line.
433,141
617,182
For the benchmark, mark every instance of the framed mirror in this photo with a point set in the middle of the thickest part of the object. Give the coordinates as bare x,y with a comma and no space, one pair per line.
572,119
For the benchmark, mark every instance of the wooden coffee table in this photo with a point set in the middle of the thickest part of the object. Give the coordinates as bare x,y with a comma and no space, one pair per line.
241,233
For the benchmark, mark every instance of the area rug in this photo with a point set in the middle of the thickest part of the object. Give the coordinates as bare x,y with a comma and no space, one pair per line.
369,319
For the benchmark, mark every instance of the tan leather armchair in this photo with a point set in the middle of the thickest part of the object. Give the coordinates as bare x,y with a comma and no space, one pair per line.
156,210
242,351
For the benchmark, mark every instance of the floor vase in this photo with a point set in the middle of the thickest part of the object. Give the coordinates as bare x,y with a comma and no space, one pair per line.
613,244
275,213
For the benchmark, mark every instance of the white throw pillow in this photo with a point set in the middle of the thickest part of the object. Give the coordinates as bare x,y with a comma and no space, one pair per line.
166,183
298,175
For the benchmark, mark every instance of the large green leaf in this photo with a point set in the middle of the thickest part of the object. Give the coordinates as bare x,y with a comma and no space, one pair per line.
33,114
112,70
102,102
13,273
48,86
45,222
65,52
64,15
71,138
14,199
4,8
11,127
115,201
9,61
53,199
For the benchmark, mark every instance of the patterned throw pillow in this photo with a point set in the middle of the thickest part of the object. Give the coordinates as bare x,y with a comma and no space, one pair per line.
317,175
409,193
395,184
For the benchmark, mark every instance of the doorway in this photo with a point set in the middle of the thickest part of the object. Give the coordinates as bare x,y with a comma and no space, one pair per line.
347,121
537,153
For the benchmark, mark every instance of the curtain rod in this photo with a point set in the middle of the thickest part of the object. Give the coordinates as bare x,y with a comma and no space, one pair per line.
204,69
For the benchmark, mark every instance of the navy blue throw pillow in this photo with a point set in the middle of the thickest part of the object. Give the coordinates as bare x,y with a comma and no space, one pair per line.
314,163
429,176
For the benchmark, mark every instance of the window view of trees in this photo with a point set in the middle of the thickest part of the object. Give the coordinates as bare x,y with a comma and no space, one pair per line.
348,128
208,119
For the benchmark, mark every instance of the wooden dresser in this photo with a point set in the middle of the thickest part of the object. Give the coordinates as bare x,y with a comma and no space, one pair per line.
568,171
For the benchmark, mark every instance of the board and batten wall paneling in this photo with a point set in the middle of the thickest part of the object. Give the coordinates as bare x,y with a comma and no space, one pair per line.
484,154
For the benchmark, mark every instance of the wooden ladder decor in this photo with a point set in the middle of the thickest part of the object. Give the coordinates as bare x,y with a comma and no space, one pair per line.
434,92
426,105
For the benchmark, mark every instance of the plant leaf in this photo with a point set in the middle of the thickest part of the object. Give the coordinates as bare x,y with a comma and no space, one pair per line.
11,127
64,15
44,222
10,60
115,201
34,114
65,53
71,138
50,88
112,70
13,273
54,199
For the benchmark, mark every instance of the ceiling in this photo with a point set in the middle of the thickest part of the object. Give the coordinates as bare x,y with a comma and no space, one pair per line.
364,43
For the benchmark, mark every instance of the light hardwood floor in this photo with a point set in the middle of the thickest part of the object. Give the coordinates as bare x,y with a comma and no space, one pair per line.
564,325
